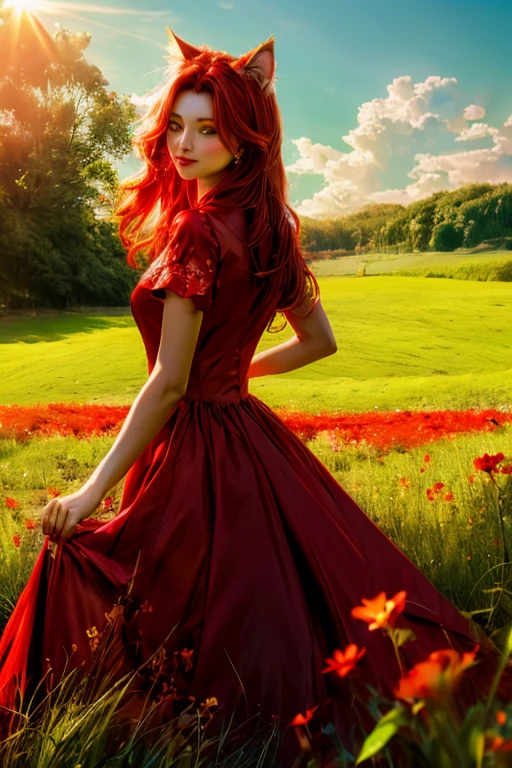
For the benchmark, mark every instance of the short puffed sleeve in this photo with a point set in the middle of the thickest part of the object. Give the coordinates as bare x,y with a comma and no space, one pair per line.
188,264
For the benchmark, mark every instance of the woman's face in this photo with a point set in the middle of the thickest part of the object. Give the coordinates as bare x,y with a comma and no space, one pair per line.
191,134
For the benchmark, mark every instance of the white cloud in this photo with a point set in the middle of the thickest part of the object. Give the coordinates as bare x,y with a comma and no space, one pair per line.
427,114
474,113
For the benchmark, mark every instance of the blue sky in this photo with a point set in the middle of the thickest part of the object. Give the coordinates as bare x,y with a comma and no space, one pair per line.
384,102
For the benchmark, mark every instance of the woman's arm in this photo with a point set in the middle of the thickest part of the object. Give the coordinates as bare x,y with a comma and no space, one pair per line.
158,397
313,340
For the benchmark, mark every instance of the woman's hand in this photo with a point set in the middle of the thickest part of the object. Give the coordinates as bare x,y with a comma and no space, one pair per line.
60,517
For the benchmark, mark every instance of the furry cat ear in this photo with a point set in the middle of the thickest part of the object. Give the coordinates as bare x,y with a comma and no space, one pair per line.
180,49
260,64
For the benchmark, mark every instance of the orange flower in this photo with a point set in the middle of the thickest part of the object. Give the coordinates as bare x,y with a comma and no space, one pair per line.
501,717
30,524
344,662
54,492
380,612
301,719
471,478
426,458
497,744
435,678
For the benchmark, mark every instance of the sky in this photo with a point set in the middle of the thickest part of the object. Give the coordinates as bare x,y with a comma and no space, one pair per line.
383,102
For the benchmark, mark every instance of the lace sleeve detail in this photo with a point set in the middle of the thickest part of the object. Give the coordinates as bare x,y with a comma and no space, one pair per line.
188,264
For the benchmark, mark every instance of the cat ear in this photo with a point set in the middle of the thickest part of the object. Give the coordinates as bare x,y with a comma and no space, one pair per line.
179,49
260,64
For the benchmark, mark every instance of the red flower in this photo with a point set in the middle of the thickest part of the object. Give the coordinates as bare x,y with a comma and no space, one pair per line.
426,458
506,470
488,463
344,662
405,482
438,486
449,496
436,677
471,478
301,719
422,469
17,541
54,492
497,744
380,612
30,524
11,503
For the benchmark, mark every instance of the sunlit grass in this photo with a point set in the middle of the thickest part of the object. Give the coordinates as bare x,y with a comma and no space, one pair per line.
402,343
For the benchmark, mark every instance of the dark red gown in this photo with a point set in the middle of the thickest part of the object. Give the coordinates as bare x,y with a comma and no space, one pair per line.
239,537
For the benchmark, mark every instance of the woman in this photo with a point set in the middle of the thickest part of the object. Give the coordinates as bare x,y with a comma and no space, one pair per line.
240,549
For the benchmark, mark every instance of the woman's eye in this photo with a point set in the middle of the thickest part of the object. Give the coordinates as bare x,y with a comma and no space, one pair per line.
211,131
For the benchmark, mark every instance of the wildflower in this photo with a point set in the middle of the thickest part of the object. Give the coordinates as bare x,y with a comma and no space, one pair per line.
501,717
471,478
11,503
449,496
506,470
301,719
426,458
54,492
30,524
380,612
344,662
422,469
17,541
436,677
488,463
497,744
405,482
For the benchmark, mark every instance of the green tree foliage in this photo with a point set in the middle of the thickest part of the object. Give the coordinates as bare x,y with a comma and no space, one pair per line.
444,221
60,132
446,237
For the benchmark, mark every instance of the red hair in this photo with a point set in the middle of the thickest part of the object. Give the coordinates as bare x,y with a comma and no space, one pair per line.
244,115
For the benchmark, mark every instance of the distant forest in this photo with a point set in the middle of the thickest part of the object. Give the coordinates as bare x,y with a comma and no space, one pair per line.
445,221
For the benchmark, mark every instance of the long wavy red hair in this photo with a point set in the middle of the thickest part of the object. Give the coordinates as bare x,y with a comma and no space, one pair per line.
246,113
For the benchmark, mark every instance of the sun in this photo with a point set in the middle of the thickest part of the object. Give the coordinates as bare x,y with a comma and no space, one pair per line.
22,5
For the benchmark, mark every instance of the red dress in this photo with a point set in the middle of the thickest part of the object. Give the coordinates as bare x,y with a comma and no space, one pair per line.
239,537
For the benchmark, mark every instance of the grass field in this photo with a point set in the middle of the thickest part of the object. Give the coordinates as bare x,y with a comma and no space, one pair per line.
387,263
403,342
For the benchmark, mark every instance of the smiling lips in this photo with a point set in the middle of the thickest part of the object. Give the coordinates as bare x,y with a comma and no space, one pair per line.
185,160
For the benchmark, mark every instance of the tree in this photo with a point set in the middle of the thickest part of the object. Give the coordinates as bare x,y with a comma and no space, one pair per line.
60,132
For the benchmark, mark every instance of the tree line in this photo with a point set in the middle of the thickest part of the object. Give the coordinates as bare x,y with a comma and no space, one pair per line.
450,219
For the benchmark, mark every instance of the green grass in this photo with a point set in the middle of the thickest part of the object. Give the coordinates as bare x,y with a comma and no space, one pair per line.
387,263
402,342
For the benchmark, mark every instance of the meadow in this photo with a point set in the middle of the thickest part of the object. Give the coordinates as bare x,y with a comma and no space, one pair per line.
404,343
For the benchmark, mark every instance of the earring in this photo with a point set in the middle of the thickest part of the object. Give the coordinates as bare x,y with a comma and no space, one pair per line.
238,156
